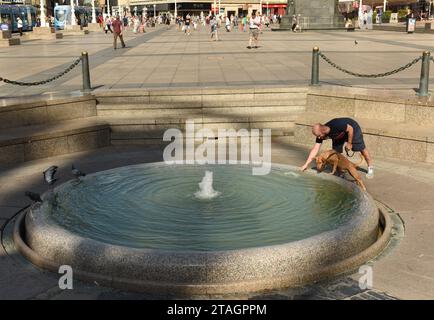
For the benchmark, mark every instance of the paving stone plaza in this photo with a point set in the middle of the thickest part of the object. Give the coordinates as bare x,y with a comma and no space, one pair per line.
168,58
165,77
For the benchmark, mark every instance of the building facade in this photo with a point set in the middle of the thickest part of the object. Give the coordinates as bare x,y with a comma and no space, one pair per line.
196,7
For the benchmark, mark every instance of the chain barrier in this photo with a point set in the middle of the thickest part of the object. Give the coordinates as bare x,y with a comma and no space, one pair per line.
378,75
37,83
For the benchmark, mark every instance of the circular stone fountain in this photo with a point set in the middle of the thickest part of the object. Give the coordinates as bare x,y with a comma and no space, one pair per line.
152,227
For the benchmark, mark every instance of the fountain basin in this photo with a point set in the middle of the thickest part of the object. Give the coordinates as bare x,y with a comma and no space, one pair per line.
244,254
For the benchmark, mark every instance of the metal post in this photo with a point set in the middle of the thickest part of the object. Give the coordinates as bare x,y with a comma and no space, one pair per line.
73,19
315,67
85,71
424,75
43,17
93,12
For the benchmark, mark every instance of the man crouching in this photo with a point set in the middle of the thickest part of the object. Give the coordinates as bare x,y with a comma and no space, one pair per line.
341,131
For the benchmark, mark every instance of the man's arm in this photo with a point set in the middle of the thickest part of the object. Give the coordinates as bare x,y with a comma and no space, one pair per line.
350,131
312,156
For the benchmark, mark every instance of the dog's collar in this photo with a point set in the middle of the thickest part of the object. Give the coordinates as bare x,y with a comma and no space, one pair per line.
333,153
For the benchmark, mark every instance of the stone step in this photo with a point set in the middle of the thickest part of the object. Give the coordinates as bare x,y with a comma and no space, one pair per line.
136,130
152,114
157,141
41,141
201,97
351,103
188,91
10,42
20,112
126,105
388,139
224,113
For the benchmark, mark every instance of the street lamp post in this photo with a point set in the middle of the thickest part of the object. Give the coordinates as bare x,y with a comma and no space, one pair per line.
43,17
93,12
73,21
384,5
176,9
290,9
154,11
219,8
108,8
268,12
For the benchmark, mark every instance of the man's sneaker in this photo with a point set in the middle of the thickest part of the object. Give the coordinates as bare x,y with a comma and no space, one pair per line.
370,173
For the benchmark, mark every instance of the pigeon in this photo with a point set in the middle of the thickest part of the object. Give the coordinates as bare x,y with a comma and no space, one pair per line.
77,173
35,197
355,42
49,175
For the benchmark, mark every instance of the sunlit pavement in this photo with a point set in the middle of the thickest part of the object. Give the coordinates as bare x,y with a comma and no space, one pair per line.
170,58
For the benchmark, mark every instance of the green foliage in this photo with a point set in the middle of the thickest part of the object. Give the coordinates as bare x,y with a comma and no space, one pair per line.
386,16
402,13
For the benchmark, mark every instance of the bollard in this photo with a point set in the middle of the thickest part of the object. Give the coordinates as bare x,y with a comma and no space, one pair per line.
424,75
315,67
85,71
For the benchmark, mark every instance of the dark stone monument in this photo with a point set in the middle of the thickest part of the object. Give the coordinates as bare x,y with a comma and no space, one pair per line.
315,15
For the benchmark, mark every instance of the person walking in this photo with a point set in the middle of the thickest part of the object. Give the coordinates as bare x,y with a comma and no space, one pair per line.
108,25
267,21
187,23
20,26
235,23
117,32
100,21
125,22
255,23
136,24
214,27
228,24
168,22
180,23
364,20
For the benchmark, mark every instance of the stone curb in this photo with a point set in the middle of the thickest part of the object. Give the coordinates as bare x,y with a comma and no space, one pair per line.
344,266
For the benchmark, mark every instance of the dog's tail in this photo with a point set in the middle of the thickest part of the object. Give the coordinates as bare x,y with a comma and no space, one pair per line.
362,159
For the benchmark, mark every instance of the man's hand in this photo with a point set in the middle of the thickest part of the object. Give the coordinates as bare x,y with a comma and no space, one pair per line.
304,167
349,146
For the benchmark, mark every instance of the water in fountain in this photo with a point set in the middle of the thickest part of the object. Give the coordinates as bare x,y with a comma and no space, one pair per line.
159,206
206,190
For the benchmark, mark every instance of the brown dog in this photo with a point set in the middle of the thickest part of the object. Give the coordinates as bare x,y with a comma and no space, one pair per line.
339,162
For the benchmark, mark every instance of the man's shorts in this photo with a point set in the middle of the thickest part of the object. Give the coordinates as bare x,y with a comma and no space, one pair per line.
358,142
254,32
